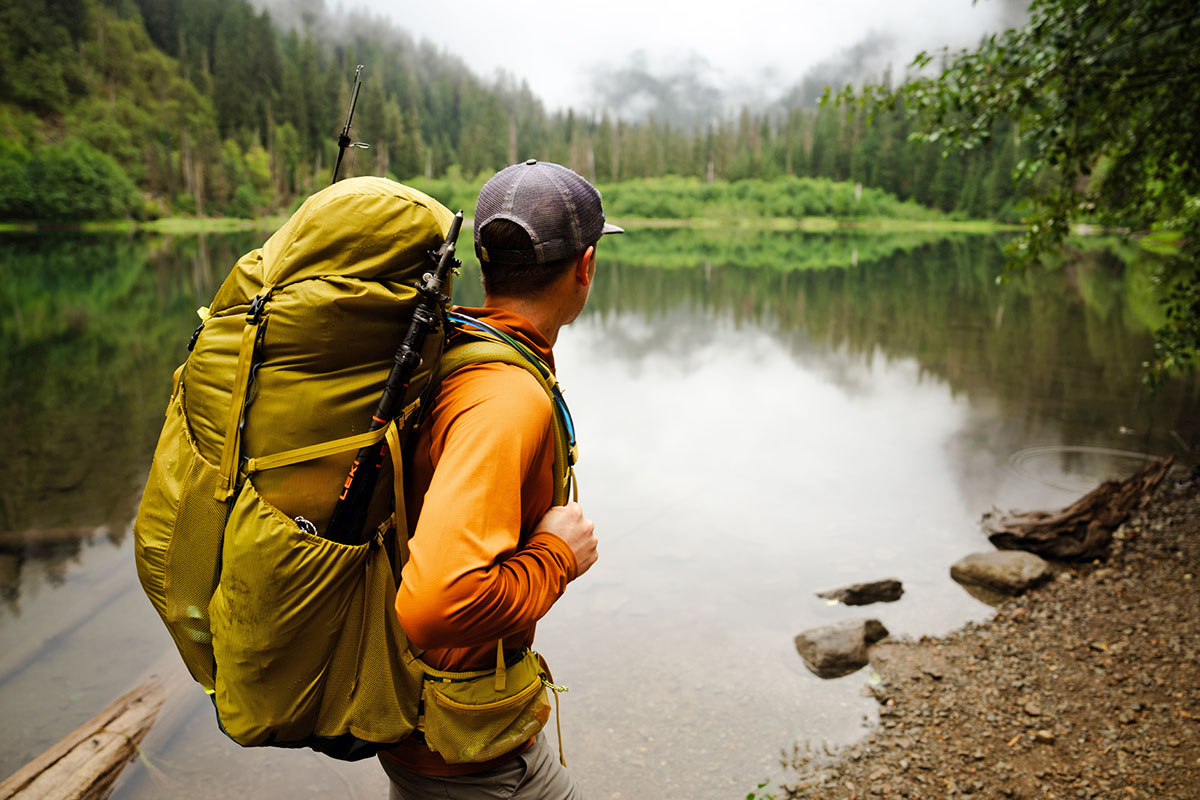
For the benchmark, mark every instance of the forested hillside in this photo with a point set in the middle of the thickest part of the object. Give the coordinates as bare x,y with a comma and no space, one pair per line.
144,108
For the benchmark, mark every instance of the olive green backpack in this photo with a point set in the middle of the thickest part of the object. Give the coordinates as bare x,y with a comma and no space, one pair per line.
294,636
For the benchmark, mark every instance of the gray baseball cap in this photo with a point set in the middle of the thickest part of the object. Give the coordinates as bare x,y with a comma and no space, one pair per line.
559,210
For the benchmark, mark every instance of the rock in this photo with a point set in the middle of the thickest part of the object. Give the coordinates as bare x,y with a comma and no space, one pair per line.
1009,571
839,649
1088,688
887,590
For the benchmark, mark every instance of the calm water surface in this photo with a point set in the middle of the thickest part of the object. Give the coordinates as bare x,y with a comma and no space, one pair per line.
760,418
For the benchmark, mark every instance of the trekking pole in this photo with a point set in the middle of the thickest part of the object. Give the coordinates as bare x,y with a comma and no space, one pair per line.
350,513
344,139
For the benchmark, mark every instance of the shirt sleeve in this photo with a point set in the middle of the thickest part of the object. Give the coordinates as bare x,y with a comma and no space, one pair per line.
472,577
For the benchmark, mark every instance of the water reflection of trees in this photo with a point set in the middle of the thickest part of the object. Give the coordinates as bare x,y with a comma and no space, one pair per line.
750,247
684,249
91,328
1061,345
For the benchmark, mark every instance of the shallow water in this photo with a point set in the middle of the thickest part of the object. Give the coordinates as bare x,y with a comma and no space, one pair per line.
807,411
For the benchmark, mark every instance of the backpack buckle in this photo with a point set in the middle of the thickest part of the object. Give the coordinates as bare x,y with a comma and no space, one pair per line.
257,305
195,336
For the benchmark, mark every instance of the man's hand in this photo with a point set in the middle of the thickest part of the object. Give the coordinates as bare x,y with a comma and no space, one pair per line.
569,524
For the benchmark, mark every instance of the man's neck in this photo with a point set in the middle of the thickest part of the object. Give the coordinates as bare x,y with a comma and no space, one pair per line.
542,315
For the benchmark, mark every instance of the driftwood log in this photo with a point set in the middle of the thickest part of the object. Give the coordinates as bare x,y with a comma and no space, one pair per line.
1082,530
85,764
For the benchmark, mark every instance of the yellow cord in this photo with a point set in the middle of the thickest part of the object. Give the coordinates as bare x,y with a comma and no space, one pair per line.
557,689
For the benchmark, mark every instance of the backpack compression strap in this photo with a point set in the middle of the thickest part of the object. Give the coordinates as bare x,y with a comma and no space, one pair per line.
488,350
251,341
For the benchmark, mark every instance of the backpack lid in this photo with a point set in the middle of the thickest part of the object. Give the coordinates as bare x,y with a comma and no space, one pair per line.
367,228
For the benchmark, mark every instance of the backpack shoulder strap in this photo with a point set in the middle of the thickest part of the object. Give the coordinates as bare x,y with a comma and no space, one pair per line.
482,350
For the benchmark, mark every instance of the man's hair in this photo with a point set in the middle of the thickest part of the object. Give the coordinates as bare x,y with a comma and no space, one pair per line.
517,280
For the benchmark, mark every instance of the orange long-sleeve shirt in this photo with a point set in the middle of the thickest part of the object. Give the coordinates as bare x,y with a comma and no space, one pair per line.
481,478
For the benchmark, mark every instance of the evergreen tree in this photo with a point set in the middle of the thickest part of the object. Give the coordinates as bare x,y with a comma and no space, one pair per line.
195,98
37,52
947,182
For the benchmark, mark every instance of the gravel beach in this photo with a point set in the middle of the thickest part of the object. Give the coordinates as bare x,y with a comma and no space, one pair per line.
1088,687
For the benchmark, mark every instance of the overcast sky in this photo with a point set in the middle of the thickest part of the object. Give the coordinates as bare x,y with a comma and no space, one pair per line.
559,46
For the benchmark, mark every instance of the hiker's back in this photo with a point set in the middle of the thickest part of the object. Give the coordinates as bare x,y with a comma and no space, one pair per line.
295,635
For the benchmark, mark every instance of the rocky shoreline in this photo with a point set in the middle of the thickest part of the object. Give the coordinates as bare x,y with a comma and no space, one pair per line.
1088,687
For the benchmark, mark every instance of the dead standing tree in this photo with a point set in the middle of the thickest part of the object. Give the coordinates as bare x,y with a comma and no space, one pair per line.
1082,530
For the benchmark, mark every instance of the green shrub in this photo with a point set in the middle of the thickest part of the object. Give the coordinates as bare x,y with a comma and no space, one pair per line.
783,197
72,182
453,191
673,197
244,203
16,197
184,203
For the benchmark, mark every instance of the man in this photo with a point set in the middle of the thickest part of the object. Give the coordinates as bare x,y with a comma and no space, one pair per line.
490,556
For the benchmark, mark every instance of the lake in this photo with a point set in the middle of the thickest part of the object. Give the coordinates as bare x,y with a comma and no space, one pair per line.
761,416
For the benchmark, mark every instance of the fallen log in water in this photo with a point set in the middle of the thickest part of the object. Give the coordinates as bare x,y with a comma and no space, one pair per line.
86,762
1082,530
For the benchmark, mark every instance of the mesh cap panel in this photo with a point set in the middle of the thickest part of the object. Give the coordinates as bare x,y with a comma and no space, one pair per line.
559,210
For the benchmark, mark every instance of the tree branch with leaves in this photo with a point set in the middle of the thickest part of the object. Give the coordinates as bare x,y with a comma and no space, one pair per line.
1104,95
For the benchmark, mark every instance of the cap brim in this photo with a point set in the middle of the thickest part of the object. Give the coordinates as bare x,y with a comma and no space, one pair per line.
610,228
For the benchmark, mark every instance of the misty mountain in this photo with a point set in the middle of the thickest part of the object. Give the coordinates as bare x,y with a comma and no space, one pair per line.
694,92
687,93
867,61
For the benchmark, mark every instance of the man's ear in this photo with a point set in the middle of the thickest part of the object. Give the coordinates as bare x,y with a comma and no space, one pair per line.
585,268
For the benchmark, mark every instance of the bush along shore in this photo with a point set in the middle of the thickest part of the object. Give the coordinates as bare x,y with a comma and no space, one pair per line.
1087,687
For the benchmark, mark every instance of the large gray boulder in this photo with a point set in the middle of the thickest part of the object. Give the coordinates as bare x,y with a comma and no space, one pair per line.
887,590
1008,571
839,649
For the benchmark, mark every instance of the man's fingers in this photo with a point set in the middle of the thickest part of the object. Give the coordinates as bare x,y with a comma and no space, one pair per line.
577,531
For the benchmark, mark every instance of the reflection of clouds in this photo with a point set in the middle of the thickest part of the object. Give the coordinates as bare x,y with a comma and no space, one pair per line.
724,436
680,336
675,337
734,470
1054,373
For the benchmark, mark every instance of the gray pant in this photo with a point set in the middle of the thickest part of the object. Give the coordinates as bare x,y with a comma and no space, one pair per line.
536,774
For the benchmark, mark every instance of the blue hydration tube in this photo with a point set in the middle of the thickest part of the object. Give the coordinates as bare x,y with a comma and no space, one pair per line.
463,321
